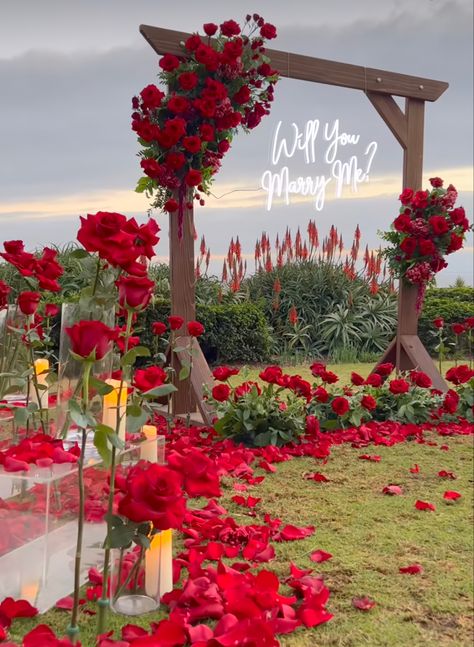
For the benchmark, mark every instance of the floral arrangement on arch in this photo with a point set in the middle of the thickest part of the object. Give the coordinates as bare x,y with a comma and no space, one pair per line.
428,228
221,82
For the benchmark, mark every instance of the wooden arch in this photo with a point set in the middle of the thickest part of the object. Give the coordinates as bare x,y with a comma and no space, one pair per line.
406,350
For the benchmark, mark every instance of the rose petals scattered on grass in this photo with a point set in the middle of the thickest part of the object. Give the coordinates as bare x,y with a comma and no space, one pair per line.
415,469
292,533
424,505
444,448
393,490
317,477
369,457
413,569
319,556
443,474
363,604
451,495
249,502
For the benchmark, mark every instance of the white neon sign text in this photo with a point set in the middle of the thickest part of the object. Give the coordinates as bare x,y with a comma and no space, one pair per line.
345,170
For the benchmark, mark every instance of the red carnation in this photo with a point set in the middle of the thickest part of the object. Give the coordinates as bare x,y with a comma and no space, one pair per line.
175,322
91,339
28,302
221,392
195,328
158,328
340,406
399,386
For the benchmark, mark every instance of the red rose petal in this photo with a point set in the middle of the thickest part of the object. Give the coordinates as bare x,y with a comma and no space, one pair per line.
363,604
424,505
451,495
413,569
392,490
319,556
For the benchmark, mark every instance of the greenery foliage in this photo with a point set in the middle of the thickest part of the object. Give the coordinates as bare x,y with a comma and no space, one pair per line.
451,304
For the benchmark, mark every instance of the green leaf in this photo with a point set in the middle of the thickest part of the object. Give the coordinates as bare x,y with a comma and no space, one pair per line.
161,391
79,253
130,356
184,373
179,349
120,534
134,423
101,387
77,415
112,437
102,446
20,416
142,540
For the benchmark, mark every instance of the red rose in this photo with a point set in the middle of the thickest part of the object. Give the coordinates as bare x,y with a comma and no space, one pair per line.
193,177
329,377
193,42
458,328
242,96
271,374
421,379
91,339
14,247
451,401
153,493
230,28
399,386
207,132
374,380
317,368
455,243
195,328
469,322
340,406
4,292
223,146
28,302
368,402
207,56
457,215
222,373
320,394
221,392
232,51
151,167
188,80
177,104
312,425
170,205
356,379
406,196
175,322
175,161
192,144
438,322
152,96
436,182
169,62
158,328
51,310
439,225
300,386
420,200
102,232
402,223
268,31
245,388
459,374
210,28
426,247
408,245
385,369
149,378
134,291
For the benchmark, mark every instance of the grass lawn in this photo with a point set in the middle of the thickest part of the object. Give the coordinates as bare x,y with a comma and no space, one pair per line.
370,536
343,370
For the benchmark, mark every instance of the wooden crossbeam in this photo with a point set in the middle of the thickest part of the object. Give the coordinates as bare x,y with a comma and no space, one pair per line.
317,70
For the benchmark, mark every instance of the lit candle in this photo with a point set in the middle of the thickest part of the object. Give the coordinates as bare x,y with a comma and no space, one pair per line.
149,447
29,591
113,407
166,562
41,368
152,567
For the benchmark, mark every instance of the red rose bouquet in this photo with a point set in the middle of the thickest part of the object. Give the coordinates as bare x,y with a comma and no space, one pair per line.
217,85
428,228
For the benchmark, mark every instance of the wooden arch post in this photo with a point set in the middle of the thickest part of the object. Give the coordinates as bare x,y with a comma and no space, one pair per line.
406,351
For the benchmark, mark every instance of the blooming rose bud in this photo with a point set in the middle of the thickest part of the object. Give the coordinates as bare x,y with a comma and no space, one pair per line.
210,28
175,322
458,328
28,302
169,62
436,182
221,392
134,291
51,310
195,328
398,386
158,328
149,378
91,339
340,406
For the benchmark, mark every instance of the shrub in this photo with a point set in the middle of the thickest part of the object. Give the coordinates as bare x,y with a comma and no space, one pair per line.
451,304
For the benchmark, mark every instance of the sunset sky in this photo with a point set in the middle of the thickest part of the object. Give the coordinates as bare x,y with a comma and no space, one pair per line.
68,71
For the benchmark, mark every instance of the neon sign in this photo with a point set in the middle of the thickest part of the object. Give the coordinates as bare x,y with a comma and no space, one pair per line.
343,168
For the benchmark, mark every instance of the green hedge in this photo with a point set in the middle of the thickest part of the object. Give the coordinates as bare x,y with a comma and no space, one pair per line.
452,304
234,332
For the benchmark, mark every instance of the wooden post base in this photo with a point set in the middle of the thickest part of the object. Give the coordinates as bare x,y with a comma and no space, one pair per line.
192,391
413,355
